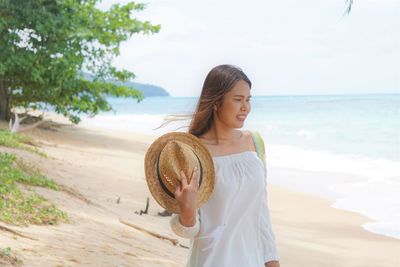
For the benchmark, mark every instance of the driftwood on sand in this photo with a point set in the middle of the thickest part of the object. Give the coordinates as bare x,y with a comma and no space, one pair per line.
6,229
146,209
175,242
15,125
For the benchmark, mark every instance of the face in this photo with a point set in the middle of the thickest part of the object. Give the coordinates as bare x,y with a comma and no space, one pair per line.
235,106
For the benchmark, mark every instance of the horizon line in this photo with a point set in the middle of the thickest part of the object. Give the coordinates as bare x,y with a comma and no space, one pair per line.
340,94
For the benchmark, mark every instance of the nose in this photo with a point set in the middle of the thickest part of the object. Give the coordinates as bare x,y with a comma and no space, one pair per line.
245,106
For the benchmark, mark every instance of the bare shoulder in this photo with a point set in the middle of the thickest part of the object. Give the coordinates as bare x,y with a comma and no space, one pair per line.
246,133
248,140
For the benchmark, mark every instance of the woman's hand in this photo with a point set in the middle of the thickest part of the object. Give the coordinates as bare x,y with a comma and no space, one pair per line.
187,197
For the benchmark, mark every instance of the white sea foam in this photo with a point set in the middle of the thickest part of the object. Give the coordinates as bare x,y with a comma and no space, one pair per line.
376,197
145,123
307,134
312,160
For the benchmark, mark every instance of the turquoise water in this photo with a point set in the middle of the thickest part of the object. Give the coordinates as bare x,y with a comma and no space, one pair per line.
348,124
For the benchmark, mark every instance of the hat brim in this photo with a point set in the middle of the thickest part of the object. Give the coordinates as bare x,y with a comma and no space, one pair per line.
150,165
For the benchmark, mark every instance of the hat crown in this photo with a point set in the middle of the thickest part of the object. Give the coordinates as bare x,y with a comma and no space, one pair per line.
166,157
174,157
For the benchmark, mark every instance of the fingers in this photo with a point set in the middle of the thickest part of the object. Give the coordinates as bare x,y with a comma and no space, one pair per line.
194,180
184,183
178,190
184,180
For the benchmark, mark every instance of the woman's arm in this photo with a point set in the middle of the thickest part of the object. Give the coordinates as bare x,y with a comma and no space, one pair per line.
187,223
271,256
184,231
188,217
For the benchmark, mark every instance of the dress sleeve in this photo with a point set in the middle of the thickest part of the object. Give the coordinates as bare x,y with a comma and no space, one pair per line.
183,231
267,235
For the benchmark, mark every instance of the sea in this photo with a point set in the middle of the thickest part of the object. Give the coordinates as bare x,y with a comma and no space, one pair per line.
346,135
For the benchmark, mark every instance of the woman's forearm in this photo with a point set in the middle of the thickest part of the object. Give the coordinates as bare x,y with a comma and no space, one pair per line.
187,218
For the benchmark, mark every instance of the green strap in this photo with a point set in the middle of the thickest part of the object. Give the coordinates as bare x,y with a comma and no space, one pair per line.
258,141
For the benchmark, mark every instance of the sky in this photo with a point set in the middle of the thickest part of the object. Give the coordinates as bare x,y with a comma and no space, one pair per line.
286,47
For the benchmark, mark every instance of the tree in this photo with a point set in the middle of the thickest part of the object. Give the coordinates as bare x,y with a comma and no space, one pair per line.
349,5
45,45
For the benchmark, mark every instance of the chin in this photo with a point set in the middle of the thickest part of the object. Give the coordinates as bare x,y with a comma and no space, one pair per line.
239,125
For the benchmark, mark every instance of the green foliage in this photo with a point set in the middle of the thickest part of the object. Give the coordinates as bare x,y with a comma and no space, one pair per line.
7,257
16,140
45,45
147,89
7,251
9,139
19,208
349,4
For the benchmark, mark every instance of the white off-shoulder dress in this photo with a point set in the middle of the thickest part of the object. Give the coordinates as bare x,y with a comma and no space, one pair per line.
233,228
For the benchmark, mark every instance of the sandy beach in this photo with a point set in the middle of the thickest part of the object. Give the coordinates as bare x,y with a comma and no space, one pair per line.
103,175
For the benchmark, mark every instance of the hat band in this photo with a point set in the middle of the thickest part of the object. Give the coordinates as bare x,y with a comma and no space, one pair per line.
164,187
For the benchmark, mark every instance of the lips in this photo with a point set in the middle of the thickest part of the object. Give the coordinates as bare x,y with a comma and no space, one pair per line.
241,117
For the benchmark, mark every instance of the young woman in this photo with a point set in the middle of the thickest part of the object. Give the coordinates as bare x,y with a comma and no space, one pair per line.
233,228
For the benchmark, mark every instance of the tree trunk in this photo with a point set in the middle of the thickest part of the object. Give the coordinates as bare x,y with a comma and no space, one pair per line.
5,111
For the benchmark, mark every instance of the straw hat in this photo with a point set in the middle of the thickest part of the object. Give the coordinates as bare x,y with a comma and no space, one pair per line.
164,159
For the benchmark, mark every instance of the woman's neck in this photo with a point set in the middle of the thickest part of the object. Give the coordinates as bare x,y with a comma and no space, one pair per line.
219,134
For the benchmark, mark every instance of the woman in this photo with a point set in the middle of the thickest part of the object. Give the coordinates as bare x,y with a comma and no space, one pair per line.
233,228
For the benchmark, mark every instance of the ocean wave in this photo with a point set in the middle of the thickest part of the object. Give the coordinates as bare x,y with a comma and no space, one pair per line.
141,123
376,196
289,156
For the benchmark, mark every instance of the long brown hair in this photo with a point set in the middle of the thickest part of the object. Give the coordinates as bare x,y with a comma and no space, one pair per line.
218,82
